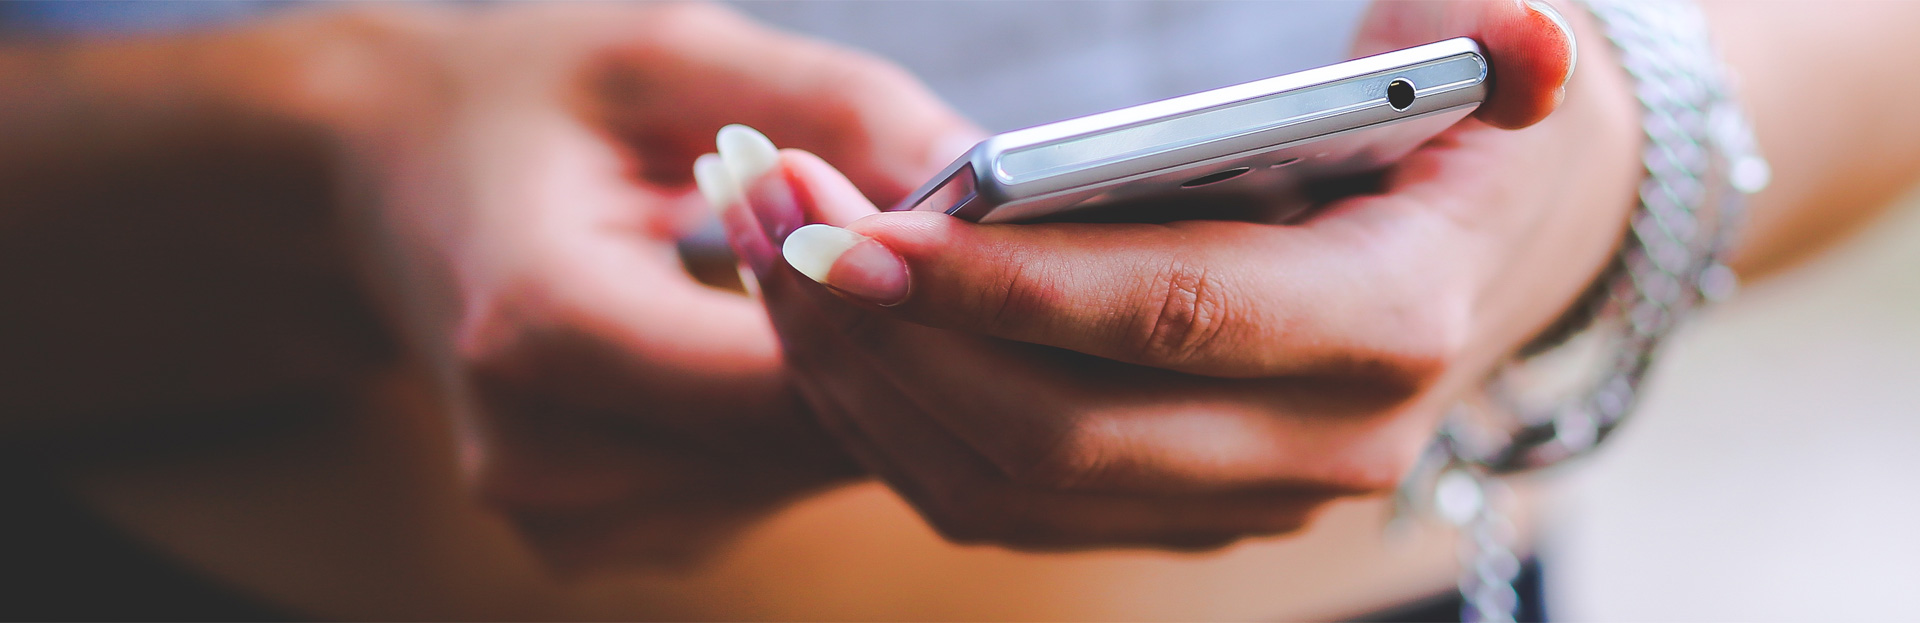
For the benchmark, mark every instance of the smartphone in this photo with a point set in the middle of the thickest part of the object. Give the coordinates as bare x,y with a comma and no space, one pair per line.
1267,138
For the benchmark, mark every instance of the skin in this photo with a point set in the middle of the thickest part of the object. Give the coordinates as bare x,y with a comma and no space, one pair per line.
404,255
1207,380
1839,157
492,196
1284,366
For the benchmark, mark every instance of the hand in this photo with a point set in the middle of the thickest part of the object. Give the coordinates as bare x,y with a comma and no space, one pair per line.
196,220
528,201
1182,385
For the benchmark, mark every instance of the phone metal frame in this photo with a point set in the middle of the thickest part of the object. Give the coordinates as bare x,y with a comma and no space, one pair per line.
1325,122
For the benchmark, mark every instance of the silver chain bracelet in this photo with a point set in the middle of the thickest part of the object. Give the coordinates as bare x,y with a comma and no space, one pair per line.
1568,393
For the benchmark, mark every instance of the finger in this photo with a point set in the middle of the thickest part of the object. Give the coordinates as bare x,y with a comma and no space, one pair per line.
568,331
1083,424
1096,289
963,494
569,242
718,393
1206,297
751,175
696,68
610,298
1529,44
1054,421
588,494
828,202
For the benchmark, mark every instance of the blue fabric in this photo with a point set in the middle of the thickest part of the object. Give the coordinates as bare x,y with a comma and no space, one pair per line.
96,17
1005,64
1015,64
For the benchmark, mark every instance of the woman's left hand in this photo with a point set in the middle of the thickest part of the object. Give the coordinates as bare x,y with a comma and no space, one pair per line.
1073,385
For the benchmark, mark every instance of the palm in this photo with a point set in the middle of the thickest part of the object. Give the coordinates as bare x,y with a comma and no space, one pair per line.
527,216
610,382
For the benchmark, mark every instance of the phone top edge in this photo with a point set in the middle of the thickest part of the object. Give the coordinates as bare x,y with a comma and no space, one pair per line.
939,179
982,162
1000,195
1227,95
1282,116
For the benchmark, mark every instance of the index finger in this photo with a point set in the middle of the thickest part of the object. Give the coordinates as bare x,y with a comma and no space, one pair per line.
1226,299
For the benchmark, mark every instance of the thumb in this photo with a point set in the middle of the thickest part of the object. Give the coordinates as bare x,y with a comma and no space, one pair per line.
696,67
1529,44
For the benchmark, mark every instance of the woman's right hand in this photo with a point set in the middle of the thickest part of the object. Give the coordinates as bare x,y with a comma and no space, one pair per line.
1064,385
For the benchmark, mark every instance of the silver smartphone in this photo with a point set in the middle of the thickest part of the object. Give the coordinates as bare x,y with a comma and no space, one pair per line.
1267,139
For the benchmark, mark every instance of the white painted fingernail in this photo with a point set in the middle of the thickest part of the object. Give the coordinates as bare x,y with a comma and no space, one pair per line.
710,174
747,152
814,249
749,281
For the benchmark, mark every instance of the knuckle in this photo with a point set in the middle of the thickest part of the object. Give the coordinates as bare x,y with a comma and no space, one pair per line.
1184,315
1012,296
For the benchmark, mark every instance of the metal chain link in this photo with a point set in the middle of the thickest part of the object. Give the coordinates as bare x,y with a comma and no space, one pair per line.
1701,160
1475,504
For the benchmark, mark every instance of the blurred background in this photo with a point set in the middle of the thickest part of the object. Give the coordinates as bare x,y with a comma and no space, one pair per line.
1772,474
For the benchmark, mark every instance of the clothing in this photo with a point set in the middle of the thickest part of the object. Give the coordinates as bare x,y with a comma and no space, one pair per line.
1529,605
1009,65
119,17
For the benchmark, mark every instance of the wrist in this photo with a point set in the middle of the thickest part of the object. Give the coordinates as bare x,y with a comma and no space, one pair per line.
1698,163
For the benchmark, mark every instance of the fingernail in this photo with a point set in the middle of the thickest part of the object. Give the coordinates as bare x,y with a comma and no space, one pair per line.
746,151
717,185
856,265
752,161
750,282
1560,21
710,174
744,235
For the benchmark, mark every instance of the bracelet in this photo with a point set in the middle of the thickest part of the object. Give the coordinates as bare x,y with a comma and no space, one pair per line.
1567,392
1701,161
